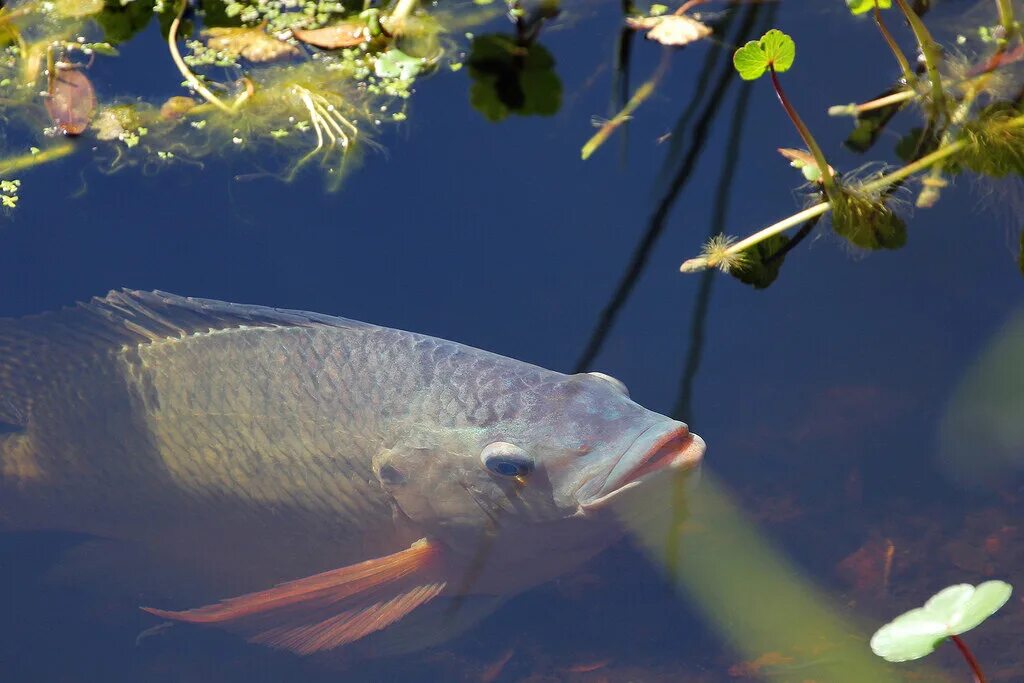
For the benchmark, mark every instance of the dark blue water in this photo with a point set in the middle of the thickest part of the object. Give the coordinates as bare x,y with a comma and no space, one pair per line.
822,398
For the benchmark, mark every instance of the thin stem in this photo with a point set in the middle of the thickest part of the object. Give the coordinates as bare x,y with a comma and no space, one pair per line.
701,262
915,167
931,51
908,73
856,109
979,677
396,20
29,160
193,81
819,157
1006,18
638,98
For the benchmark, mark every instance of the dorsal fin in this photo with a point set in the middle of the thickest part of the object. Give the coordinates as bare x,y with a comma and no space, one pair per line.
39,345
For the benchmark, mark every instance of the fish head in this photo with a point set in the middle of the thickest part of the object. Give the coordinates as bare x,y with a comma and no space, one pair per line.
541,463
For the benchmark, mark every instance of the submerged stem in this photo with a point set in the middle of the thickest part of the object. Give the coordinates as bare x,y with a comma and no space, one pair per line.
819,157
396,20
638,98
193,81
979,677
908,73
1007,20
931,51
30,159
878,103
701,262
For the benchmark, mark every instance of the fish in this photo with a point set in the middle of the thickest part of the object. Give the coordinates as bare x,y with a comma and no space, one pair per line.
320,480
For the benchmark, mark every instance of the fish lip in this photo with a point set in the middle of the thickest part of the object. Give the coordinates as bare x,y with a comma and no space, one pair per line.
657,449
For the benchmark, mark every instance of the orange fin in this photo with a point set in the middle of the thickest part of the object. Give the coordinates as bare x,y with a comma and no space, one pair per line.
331,609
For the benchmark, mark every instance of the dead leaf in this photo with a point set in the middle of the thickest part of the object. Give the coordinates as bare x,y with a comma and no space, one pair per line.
343,34
869,568
70,101
251,43
756,667
673,29
176,107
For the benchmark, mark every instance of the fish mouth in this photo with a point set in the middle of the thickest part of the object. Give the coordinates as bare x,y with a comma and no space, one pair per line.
659,448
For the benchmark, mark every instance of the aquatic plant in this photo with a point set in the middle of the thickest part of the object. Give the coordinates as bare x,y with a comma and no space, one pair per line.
972,123
947,614
307,82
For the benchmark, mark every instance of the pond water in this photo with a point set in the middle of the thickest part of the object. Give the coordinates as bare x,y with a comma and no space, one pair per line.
841,421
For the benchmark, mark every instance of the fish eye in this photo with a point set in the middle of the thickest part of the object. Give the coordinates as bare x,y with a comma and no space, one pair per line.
618,384
506,459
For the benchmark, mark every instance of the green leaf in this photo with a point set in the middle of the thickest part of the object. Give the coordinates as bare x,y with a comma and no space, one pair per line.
750,61
779,49
775,49
396,64
862,6
508,78
760,266
950,612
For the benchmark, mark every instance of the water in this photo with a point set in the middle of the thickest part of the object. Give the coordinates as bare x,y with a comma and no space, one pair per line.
822,398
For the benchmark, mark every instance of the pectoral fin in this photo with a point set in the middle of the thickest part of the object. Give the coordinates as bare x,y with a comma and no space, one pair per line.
331,609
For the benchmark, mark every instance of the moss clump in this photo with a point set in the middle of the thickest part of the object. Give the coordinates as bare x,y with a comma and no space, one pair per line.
995,142
865,219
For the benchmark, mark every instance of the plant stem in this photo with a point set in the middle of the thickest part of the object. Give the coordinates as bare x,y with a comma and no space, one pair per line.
638,98
855,109
819,157
931,51
1006,18
701,262
29,160
908,73
979,677
396,20
193,81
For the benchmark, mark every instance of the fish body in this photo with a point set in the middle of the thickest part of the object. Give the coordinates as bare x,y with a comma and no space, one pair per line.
374,469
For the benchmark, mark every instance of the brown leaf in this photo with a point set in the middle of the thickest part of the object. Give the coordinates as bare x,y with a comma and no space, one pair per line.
252,43
70,101
343,34
176,107
673,29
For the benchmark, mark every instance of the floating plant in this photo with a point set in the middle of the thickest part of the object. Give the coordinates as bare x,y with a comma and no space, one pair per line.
947,614
972,123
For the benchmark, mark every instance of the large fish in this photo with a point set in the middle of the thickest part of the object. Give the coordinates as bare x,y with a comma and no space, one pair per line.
374,470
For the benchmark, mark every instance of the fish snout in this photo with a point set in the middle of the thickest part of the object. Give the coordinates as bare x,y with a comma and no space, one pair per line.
664,447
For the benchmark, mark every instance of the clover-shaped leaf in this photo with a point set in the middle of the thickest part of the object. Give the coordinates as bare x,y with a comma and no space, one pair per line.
775,49
949,612
862,6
